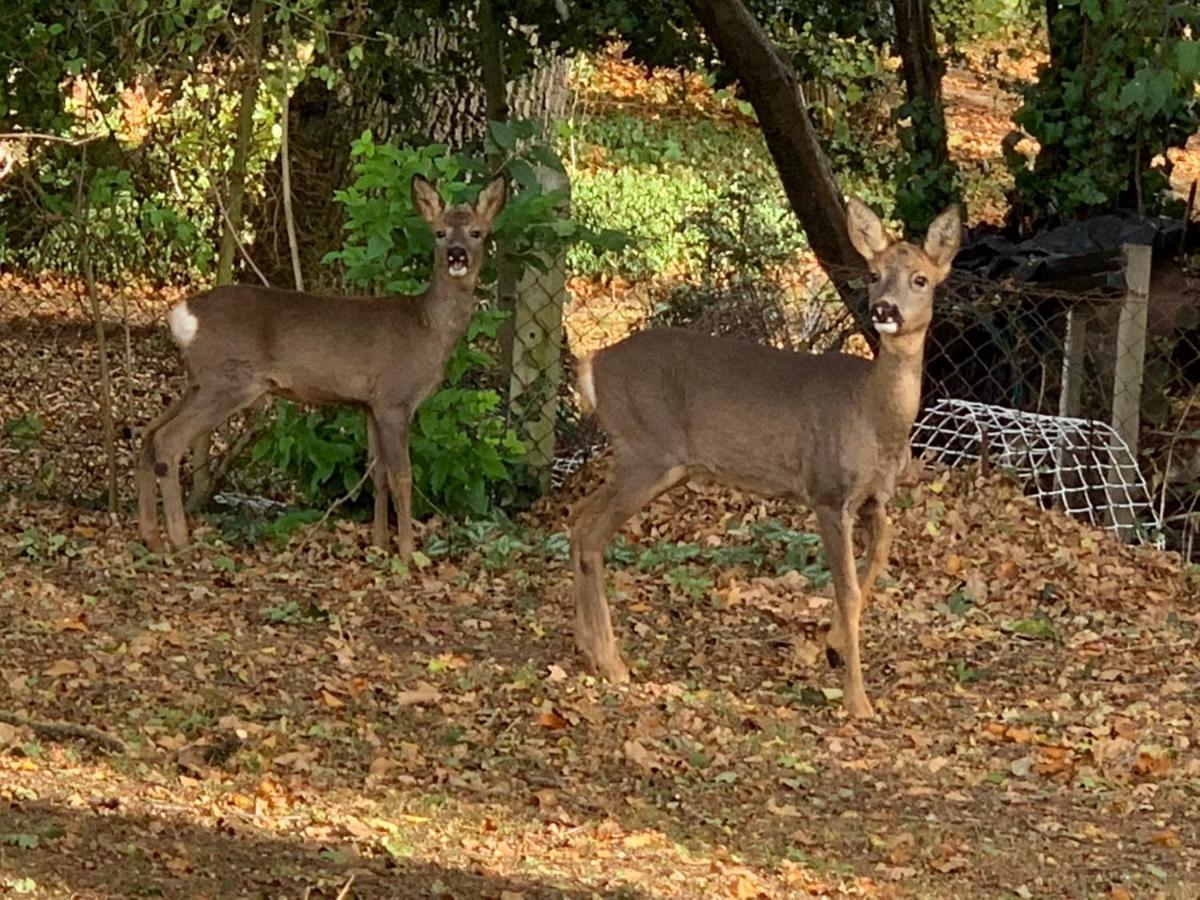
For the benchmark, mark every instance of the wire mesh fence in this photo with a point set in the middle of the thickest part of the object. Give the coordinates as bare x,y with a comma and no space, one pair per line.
1093,398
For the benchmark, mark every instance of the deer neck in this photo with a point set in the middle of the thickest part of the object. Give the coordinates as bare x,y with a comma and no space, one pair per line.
448,305
895,385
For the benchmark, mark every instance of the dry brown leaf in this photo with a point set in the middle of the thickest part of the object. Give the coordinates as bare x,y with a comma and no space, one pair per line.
422,693
552,720
61,667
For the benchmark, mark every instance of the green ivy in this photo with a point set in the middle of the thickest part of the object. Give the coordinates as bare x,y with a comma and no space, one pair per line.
1120,93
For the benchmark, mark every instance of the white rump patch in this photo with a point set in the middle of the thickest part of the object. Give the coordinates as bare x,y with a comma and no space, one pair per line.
587,386
887,327
183,324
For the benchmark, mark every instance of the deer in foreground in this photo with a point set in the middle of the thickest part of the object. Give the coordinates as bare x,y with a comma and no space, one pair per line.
829,430
387,354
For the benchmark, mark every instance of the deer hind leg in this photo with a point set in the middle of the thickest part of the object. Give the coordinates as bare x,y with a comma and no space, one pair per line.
379,525
593,523
393,442
147,481
207,408
837,536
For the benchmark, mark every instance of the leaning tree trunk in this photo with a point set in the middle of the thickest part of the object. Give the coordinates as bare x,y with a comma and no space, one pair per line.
770,84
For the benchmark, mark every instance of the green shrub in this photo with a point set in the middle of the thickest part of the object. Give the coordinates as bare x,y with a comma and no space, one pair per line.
461,447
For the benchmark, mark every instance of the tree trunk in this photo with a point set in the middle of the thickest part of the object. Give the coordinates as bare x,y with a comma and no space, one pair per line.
241,149
495,90
202,482
928,182
770,84
923,68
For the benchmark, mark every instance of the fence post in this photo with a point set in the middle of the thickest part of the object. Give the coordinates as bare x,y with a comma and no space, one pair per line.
1131,345
537,335
1070,399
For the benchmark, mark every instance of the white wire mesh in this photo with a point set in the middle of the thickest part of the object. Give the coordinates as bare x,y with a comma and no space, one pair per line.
1080,466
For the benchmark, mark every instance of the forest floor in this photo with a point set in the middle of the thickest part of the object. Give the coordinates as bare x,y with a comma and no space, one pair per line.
292,717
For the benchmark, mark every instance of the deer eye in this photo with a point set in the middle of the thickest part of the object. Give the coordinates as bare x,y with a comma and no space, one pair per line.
440,234
920,281
476,233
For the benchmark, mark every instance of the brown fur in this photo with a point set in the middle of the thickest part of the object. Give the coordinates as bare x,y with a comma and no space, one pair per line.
384,354
830,431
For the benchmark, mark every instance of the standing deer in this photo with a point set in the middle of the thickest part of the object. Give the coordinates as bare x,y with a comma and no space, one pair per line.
387,354
829,430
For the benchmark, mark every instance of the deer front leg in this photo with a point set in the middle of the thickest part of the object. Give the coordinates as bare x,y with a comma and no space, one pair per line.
837,536
379,480
878,545
393,439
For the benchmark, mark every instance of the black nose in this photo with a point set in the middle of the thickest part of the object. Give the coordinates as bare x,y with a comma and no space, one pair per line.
886,314
457,256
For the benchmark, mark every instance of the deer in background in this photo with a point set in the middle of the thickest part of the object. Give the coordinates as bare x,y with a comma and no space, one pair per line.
387,354
830,430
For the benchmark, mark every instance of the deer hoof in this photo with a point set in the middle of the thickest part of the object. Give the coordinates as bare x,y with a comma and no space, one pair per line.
859,707
613,670
833,658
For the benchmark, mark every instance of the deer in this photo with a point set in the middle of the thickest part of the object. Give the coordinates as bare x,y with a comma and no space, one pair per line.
241,343
829,430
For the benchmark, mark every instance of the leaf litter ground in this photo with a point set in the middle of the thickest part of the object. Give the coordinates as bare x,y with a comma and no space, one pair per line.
296,717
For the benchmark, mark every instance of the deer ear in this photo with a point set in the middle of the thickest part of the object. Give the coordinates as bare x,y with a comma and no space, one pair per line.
866,231
491,200
942,239
426,199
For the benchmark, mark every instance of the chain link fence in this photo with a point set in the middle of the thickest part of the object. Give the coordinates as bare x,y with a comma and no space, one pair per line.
1093,397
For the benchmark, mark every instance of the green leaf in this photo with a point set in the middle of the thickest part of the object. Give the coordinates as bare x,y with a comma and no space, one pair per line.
503,135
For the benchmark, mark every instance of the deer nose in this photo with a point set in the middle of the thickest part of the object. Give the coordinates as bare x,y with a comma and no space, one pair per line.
886,318
457,256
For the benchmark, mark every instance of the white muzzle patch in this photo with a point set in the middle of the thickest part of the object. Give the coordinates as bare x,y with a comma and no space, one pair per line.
458,269
184,324
887,327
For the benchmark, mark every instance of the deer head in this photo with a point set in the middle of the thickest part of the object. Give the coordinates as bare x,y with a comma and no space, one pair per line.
460,230
903,275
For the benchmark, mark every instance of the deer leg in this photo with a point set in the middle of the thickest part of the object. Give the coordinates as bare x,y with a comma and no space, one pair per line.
393,441
147,481
879,544
379,526
208,408
837,536
874,518
593,523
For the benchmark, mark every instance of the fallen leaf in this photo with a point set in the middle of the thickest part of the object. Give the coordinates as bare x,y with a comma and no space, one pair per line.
422,693
552,720
61,667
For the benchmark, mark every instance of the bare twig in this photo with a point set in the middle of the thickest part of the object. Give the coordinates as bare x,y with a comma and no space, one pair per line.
345,891
89,276
55,138
286,169
238,241
312,529
59,731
